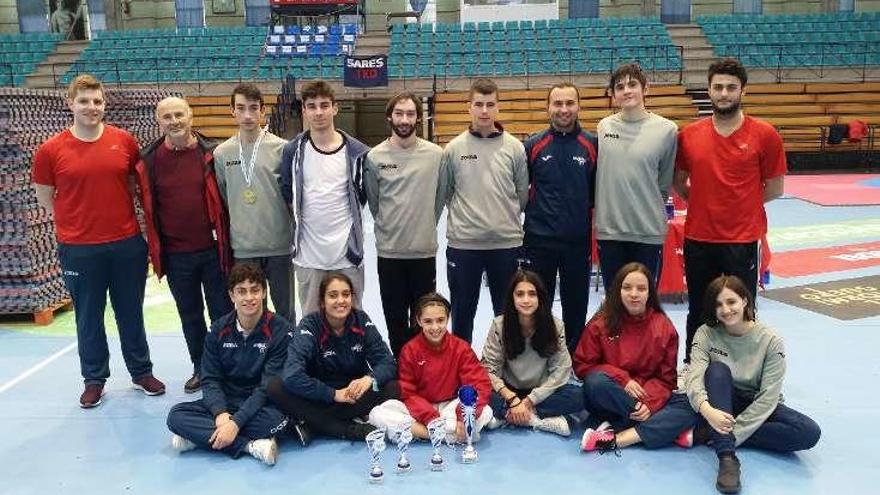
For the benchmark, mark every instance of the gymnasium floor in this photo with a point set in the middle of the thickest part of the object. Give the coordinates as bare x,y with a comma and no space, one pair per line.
52,446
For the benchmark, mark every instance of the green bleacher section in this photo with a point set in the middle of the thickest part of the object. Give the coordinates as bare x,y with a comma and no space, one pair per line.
192,55
790,41
515,48
20,54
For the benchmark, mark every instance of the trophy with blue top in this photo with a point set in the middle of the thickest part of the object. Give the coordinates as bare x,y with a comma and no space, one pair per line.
467,396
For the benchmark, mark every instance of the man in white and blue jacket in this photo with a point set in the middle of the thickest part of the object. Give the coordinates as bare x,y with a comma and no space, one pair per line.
558,227
243,351
321,182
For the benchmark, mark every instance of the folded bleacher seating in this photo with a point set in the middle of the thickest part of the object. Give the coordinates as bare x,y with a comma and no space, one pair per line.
530,47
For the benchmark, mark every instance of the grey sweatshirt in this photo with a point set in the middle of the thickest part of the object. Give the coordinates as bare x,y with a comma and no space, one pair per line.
486,192
757,363
636,165
265,227
528,370
402,187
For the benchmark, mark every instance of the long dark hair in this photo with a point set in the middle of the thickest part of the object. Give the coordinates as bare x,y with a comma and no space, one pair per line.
613,309
545,340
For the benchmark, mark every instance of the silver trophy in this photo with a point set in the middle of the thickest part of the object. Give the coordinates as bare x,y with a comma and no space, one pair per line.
437,432
375,445
467,396
402,436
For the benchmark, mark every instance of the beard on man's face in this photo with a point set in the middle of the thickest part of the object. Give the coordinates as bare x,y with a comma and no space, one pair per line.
403,130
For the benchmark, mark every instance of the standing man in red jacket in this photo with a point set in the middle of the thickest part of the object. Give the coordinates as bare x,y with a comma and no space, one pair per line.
188,225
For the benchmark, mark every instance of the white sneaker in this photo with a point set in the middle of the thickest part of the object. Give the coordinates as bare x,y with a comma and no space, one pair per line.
181,444
495,423
554,424
264,449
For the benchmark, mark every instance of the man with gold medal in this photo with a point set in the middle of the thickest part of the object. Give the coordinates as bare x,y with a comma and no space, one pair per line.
248,166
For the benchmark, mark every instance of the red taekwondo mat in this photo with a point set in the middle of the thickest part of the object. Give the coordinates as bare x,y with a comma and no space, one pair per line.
823,260
835,190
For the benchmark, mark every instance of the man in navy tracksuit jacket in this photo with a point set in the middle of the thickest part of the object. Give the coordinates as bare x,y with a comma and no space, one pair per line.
236,367
319,363
558,227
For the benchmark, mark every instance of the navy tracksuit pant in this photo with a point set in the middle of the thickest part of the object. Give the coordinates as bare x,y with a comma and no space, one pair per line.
90,271
572,262
188,274
464,273
193,421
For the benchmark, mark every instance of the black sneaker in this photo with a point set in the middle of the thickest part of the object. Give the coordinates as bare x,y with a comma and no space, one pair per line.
728,474
193,385
357,432
302,432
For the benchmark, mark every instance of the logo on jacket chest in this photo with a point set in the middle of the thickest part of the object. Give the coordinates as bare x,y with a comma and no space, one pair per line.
230,345
579,160
261,346
611,135
718,351
233,163
389,168
468,158
357,348
329,353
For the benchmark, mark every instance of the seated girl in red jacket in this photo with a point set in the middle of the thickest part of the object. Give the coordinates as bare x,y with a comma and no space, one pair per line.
433,365
627,358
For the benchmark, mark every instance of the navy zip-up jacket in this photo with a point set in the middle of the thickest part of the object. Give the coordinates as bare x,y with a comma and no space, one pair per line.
319,362
236,370
562,183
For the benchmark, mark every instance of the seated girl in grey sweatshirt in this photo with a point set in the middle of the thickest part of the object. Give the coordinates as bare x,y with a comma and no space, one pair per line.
735,383
528,361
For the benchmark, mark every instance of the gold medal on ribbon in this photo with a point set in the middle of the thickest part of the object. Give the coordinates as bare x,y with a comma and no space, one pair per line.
249,196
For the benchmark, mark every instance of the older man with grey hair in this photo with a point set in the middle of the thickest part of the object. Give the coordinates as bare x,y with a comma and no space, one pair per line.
187,224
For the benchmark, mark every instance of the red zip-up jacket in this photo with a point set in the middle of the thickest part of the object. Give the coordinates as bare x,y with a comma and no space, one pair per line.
428,375
217,213
646,351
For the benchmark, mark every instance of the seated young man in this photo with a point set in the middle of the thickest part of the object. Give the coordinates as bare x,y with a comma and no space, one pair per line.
243,350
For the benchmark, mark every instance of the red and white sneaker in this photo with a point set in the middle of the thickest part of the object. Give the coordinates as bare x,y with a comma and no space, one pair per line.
685,439
602,439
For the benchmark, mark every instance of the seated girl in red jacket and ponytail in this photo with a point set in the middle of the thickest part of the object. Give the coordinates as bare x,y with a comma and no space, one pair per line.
433,365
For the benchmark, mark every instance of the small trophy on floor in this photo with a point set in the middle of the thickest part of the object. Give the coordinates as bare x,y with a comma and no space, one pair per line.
467,395
402,436
437,432
375,445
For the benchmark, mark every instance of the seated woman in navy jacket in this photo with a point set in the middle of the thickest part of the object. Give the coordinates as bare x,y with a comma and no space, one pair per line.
338,368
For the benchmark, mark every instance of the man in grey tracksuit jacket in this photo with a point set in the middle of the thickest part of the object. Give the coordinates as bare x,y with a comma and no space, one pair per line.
402,180
487,190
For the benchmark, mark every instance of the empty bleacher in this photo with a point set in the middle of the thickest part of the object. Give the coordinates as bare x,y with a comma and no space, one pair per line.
164,56
803,113
212,117
793,41
525,112
518,48
20,54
